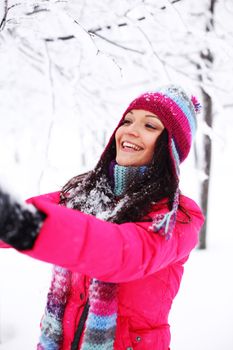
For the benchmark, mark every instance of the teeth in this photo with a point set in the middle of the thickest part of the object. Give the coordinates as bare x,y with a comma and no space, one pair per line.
131,145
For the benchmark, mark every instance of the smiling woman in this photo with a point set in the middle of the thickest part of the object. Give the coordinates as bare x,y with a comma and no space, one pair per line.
136,138
116,270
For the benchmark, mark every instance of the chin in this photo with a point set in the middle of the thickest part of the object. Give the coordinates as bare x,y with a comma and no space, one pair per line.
122,162
125,162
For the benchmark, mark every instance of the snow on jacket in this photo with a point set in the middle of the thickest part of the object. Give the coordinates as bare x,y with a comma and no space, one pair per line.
147,267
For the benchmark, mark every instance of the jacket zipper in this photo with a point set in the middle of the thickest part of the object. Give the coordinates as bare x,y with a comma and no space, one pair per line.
79,330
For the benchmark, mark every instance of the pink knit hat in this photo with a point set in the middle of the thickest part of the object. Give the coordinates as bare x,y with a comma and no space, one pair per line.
177,112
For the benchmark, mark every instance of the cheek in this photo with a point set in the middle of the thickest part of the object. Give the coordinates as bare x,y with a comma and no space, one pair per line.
152,144
118,135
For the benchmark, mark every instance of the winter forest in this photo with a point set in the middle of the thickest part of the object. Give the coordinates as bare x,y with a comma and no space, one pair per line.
68,70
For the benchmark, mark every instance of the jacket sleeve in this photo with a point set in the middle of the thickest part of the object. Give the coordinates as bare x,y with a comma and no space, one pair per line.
107,251
4,245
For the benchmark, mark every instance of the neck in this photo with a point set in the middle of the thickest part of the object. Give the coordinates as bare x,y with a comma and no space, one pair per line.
124,176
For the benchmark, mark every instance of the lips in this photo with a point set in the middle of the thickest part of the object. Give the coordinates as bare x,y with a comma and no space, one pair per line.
126,145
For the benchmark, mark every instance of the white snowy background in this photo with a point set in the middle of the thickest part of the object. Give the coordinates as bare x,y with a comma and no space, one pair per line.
68,69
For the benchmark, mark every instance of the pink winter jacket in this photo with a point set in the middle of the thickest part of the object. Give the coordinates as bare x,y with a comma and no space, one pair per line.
147,267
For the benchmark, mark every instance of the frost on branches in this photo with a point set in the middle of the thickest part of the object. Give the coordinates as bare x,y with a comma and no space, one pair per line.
71,67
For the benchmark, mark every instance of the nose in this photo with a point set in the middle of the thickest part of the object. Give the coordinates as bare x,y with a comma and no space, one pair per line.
133,129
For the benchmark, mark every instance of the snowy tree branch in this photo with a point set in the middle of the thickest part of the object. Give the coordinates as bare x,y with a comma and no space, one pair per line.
5,11
64,38
118,45
95,31
36,10
125,24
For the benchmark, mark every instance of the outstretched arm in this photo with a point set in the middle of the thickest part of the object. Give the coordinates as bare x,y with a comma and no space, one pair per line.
110,252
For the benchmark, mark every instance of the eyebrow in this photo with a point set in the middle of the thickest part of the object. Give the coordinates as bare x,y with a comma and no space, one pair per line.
152,116
147,115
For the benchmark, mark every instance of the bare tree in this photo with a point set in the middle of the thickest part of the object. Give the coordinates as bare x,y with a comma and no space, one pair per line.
208,60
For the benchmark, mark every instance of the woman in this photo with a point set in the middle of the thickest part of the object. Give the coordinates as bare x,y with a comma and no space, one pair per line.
120,236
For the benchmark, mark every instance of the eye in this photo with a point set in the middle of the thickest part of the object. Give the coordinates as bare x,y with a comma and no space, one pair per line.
126,122
150,126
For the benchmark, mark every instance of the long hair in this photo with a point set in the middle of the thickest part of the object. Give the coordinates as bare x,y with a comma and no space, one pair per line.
158,183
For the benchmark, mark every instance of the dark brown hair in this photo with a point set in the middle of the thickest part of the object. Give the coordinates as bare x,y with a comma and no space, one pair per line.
158,182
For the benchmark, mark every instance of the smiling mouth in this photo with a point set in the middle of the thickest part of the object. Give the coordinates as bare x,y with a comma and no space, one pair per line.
130,146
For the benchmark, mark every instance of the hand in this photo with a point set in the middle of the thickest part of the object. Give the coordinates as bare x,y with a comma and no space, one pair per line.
20,223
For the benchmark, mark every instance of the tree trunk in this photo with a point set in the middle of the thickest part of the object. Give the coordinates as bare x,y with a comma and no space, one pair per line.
207,147
208,59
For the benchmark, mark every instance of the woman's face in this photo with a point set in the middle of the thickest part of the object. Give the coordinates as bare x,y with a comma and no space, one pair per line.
136,138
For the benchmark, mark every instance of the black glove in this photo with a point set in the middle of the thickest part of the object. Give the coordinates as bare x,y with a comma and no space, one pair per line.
19,223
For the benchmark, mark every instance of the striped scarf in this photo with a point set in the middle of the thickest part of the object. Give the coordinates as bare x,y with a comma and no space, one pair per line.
51,323
101,321
100,325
